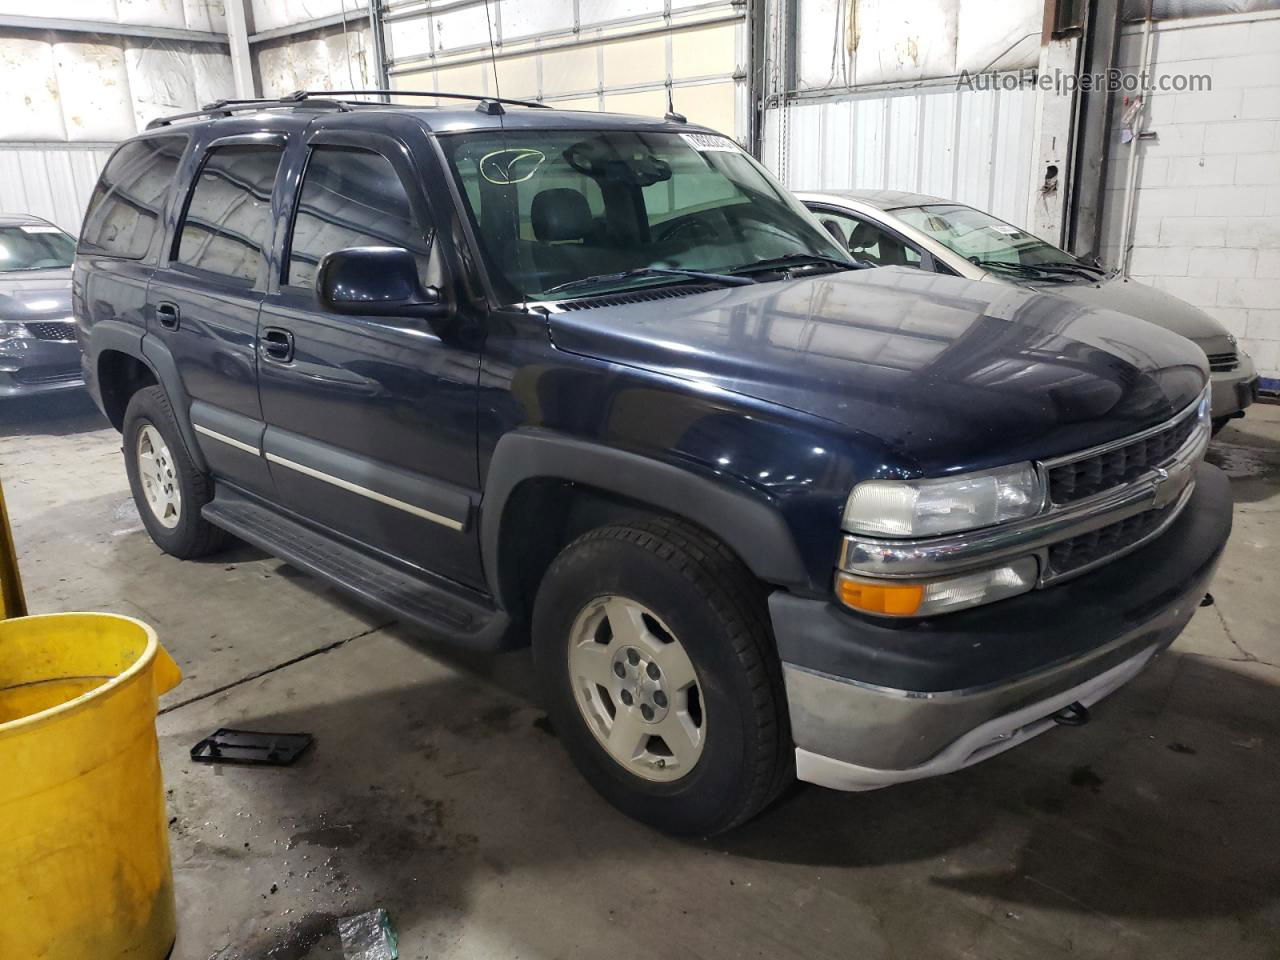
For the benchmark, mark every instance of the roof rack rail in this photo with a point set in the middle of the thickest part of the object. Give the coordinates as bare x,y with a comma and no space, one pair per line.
331,100
477,98
225,108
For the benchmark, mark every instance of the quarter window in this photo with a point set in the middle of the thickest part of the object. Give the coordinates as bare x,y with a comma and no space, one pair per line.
128,202
228,220
350,198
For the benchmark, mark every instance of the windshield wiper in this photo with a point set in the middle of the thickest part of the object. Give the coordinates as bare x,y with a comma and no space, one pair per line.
798,260
1021,269
1073,270
722,278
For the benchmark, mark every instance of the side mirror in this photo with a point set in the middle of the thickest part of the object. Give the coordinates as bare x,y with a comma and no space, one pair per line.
376,282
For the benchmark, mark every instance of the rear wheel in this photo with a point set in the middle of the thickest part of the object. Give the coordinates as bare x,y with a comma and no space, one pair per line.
654,652
167,487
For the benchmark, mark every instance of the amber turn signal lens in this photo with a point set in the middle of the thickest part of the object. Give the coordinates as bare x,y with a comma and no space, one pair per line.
899,600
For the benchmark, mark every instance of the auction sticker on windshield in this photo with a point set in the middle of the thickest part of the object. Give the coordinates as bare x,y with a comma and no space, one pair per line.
705,142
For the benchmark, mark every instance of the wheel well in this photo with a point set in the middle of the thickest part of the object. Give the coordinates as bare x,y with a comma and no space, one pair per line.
120,376
543,516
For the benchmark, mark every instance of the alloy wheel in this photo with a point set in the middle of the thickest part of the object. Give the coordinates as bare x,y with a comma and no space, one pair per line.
637,689
159,477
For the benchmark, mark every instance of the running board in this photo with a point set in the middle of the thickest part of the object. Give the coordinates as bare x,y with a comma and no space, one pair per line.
422,602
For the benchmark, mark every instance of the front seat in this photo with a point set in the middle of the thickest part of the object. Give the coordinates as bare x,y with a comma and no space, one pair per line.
889,250
837,231
561,220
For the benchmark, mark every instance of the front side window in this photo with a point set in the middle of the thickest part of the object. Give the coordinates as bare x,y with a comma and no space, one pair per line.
981,238
349,198
227,226
128,202
34,246
867,241
558,207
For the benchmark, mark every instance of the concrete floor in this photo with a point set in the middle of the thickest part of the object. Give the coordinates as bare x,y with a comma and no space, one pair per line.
435,790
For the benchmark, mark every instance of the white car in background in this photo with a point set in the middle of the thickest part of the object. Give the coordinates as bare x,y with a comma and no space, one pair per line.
890,228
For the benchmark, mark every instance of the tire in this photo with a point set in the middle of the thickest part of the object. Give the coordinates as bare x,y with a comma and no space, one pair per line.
1217,425
700,597
175,525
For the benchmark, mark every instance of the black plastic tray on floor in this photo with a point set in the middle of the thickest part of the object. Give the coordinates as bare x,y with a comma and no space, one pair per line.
251,747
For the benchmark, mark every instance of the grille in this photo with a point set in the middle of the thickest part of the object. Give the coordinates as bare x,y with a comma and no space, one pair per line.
1078,479
1068,555
1223,362
52,331
635,296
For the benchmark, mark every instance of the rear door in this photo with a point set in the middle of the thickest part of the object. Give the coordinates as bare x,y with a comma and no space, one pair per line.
203,301
371,421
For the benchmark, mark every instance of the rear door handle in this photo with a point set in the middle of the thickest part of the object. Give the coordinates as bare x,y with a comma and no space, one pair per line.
168,315
277,345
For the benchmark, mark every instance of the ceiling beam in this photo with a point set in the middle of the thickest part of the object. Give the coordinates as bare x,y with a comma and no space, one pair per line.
108,28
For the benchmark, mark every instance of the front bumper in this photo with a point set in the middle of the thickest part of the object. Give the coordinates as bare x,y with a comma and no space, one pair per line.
874,703
1233,390
29,366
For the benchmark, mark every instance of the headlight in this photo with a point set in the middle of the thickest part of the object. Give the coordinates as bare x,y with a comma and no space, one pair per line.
890,598
14,331
927,508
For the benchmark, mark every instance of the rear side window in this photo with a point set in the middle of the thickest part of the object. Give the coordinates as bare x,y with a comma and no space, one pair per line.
128,203
349,198
227,225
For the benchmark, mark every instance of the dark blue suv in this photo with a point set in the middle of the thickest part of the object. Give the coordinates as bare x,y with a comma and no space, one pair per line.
598,381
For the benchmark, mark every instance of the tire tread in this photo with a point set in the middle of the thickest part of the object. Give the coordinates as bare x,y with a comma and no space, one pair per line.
740,603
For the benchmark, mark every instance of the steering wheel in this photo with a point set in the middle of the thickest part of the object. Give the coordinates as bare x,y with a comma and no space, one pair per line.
698,230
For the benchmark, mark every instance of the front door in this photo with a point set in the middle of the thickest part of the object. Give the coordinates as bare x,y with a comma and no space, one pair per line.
203,301
371,421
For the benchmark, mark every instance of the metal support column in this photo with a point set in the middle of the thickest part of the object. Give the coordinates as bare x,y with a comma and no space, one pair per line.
238,36
1086,190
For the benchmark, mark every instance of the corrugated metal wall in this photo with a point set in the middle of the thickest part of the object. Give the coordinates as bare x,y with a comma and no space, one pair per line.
49,180
871,94
613,55
971,146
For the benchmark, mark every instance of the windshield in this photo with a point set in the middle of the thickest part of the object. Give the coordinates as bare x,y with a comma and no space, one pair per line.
34,246
980,237
555,207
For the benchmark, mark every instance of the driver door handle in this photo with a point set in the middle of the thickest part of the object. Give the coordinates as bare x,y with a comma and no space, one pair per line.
168,315
277,345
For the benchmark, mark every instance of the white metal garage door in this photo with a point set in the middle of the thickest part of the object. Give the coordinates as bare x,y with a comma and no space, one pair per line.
870,94
616,55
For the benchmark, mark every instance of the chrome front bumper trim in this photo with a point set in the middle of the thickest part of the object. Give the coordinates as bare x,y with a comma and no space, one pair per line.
1168,486
977,744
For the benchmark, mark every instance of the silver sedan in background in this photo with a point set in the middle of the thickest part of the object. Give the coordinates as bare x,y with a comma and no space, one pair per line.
890,228
39,352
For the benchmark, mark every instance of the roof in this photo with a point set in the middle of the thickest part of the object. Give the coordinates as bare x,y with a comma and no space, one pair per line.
881,199
452,119
458,116
22,219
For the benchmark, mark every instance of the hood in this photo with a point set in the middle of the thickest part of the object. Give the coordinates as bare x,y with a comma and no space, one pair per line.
35,294
1154,306
946,373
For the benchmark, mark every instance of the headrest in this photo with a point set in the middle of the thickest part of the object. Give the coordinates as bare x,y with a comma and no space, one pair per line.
560,213
864,235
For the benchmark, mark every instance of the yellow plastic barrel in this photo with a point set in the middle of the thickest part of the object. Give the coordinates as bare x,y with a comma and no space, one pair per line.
84,849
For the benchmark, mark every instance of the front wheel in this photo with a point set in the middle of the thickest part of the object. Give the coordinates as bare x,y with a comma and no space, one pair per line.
653,648
168,488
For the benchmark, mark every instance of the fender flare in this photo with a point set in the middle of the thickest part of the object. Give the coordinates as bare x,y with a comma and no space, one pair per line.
748,524
155,355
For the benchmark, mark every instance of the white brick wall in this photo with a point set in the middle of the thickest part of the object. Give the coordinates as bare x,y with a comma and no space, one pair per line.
1207,225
